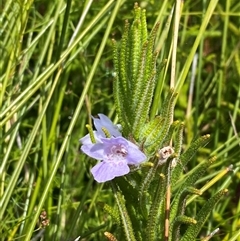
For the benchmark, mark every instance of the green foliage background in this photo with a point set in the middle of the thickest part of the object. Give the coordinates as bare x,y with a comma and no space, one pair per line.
57,69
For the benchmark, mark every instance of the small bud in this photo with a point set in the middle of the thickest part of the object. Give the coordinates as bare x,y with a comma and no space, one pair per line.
164,153
110,236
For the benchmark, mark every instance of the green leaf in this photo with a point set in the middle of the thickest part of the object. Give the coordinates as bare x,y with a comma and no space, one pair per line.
113,213
193,230
187,156
179,201
125,219
155,140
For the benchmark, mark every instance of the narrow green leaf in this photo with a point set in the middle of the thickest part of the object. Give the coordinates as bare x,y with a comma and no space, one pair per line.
169,135
193,230
125,219
113,213
179,202
150,128
155,141
186,157
178,139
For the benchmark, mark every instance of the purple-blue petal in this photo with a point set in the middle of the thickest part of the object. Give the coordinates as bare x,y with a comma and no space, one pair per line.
95,151
86,140
105,171
115,141
135,156
105,122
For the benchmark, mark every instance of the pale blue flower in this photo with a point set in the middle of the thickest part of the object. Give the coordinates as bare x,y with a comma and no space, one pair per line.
115,154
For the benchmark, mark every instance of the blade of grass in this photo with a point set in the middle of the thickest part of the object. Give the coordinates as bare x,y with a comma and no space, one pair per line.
189,60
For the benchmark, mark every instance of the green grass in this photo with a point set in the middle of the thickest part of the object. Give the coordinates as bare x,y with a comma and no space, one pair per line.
57,70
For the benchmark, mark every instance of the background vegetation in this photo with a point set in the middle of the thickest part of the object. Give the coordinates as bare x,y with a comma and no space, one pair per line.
57,69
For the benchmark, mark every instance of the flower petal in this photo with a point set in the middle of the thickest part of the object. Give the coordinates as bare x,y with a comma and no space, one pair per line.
135,156
86,140
105,171
105,122
95,151
114,141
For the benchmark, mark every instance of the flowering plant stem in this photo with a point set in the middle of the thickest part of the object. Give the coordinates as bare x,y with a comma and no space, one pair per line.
126,222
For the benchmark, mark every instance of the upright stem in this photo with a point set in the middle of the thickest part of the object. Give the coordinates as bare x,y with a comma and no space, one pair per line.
168,198
126,221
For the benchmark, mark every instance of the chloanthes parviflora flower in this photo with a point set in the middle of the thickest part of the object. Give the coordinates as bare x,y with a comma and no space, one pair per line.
115,153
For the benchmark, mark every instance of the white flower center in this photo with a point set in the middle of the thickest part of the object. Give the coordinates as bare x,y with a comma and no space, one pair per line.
117,153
